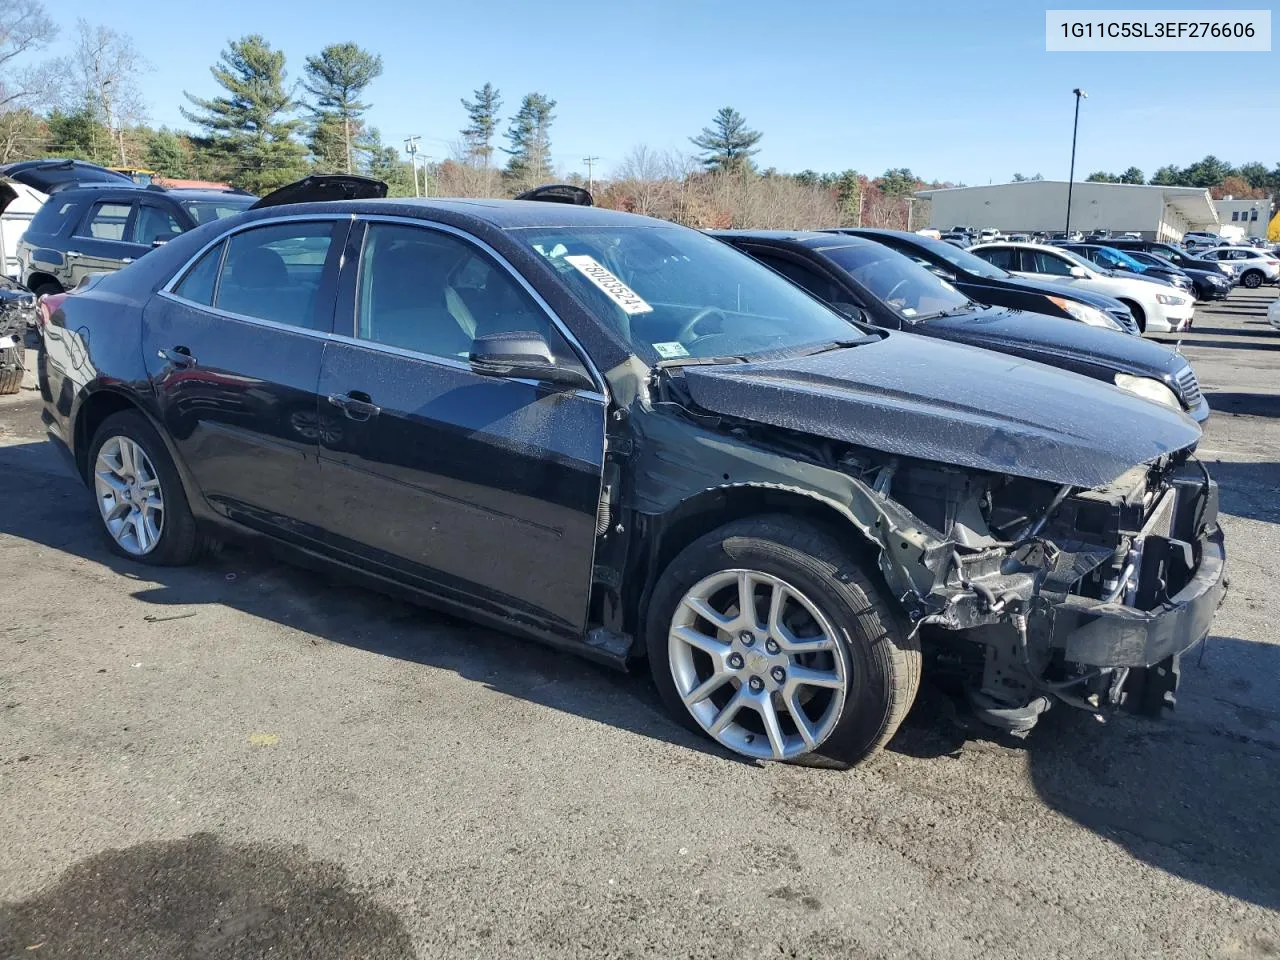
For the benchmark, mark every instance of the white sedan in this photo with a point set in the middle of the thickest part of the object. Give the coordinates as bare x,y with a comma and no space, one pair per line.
1158,307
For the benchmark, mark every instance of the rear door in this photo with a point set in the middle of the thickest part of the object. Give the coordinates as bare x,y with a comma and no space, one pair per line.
481,490
103,240
233,349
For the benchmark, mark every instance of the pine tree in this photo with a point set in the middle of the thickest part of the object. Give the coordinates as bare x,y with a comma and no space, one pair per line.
483,114
727,142
165,154
336,79
248,128
530,139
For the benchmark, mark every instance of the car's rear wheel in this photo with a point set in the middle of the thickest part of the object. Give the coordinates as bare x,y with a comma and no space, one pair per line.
48,288
768,636
140,499
11,369
1252,279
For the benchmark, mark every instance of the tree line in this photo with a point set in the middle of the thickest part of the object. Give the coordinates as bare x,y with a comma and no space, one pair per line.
261,129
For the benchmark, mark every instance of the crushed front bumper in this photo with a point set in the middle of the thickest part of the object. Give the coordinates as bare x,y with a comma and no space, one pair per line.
1093,633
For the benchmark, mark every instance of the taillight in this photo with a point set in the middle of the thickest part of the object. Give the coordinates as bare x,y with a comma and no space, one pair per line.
49,305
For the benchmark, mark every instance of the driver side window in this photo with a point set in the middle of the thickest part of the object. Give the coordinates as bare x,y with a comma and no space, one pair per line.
1048,263
434,293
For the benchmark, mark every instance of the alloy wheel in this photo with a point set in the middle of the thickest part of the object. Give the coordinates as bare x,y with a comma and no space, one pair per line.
129,495
757,664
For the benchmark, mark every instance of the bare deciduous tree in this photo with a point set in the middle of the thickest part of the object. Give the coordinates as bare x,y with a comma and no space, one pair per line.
107,67
25,28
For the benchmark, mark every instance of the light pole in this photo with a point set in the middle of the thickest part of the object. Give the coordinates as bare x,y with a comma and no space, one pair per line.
1071,177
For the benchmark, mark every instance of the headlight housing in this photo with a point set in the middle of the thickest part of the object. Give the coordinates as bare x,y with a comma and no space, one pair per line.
1148,389
1086,314
1170,300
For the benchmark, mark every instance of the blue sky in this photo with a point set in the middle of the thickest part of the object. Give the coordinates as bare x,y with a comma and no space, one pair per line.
960,91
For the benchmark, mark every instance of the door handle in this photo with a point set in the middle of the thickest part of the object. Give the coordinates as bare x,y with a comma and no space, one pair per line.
179,356
356,405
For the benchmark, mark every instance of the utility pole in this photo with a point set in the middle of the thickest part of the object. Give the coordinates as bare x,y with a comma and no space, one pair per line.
910,202
426,176
1071,177
590,162
411,148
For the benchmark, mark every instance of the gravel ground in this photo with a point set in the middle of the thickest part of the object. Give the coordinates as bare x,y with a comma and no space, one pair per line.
246,760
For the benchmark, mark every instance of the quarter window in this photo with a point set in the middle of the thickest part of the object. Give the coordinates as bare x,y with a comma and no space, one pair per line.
197,286
434,293
276,273
107,221
1003,257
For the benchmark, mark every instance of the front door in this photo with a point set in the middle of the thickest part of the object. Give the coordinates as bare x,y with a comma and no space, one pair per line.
233,350
480,490
103,240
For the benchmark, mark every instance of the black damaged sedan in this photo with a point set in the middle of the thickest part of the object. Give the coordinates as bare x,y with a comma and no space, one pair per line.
627,439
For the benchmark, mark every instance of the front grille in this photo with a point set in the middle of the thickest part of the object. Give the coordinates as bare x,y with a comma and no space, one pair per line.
1188,387
1124,317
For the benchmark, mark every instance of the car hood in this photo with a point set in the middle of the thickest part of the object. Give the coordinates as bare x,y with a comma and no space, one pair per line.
1053,340
931,400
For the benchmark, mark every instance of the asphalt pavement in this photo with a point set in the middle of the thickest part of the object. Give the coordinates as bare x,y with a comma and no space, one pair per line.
243,759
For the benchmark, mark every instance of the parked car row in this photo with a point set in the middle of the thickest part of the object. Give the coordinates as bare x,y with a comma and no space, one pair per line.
789,471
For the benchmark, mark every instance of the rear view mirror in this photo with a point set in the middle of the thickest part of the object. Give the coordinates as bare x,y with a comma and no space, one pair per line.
1080,273
523,354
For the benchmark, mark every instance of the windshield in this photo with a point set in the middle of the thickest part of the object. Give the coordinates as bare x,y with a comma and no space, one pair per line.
206,211
672,293
908,289
962,259
1111,257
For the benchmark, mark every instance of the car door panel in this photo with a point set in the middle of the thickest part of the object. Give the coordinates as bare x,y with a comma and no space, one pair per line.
238,396
479,489
101,243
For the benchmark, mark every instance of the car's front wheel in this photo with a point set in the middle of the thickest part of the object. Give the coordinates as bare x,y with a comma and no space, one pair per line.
768,636
141,503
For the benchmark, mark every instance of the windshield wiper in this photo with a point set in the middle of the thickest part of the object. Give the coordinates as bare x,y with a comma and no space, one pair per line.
952,312
677,362
816,348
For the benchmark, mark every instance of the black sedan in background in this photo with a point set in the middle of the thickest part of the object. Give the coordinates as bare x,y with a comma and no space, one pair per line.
987,283
1210,283
896,292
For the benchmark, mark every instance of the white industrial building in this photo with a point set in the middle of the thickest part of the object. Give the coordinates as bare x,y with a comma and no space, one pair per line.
1157,213
1251,216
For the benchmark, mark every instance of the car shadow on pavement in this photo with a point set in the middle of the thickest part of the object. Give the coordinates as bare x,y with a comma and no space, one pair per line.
48,506
200,897
1248,489
1245,404
1192,794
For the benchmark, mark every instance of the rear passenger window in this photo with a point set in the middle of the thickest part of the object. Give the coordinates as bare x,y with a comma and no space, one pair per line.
197,285
107,221
276,273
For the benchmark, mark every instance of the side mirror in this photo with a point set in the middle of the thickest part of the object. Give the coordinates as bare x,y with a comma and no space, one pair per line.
942,272
523,354
158,242
1080,273
1125,267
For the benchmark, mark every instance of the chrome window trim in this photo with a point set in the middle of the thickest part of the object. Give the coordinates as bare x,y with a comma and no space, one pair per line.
600,394
559,325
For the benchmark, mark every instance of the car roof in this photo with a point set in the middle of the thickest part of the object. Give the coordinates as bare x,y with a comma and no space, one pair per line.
809,239
201,193
502,214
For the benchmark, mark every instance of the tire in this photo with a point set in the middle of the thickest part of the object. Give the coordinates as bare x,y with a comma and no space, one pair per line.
1139,317
11,370
47,288
178,541
1252,279
876,658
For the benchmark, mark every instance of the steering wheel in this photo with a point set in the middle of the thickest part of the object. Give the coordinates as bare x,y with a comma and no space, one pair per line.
697,318
896,287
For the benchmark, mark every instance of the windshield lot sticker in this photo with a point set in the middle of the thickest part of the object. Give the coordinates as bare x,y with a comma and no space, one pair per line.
670,351
611,286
